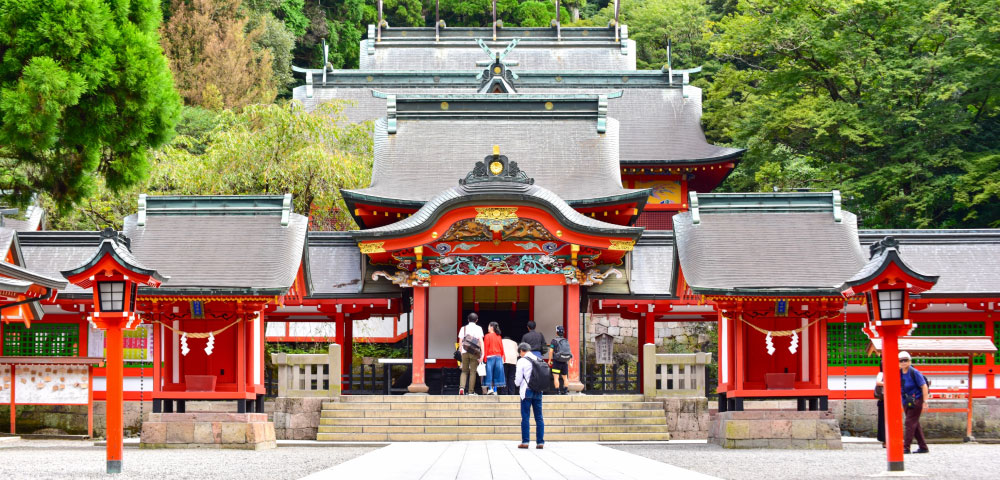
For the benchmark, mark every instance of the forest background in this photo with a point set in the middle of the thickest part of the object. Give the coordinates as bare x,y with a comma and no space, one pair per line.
893,102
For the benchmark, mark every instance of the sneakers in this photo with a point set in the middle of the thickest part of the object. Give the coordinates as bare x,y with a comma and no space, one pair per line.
491,392
461,391
922,450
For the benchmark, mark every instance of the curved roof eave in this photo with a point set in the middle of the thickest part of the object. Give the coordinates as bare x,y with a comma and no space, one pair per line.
452,198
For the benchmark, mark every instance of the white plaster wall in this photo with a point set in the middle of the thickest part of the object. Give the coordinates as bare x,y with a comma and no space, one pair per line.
442,322
548,309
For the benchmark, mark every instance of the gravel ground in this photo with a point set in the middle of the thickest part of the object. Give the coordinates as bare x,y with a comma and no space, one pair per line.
951,461
60,459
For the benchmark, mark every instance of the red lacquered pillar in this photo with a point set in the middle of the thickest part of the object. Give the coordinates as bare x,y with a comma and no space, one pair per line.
418,384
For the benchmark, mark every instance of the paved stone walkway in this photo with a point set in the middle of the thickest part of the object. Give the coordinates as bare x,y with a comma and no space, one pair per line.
502,460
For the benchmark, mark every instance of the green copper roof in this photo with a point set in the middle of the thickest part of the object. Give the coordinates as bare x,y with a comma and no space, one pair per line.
174,205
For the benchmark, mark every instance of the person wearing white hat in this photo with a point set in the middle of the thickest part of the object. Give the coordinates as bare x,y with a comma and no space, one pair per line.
914,387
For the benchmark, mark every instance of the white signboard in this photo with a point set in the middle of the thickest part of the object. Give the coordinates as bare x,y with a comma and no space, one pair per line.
47,384
4,384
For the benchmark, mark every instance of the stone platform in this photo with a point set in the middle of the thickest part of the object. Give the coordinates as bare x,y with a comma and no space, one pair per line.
776,429
245,431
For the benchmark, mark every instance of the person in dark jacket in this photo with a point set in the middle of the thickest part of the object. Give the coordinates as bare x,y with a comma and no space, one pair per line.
914,385
534,339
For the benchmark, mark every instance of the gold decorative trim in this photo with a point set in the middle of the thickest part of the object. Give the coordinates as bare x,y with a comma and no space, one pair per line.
496,168
371,247
622,245
496,213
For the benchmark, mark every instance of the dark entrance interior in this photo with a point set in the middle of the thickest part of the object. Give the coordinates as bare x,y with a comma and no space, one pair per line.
510,307
513,324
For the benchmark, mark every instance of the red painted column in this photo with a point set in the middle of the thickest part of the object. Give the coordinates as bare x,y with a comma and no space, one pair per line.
572,322
114,398
13,391
893,398
419,339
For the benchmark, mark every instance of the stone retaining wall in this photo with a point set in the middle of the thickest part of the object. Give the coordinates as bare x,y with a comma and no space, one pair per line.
862,415
775,429
246,431
297,418
687,418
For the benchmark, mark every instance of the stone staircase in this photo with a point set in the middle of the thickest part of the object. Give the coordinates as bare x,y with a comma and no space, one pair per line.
448,418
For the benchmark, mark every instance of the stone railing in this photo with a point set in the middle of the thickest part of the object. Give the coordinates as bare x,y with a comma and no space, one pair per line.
303,376
673,374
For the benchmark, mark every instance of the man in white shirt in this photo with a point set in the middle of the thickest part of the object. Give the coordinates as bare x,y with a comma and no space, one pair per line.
530,399
470,359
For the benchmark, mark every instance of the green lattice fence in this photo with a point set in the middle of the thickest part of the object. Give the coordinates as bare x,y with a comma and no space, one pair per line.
950,329
857,343
41,340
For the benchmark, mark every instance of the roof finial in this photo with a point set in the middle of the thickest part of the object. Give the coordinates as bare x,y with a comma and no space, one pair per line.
437,20
494,20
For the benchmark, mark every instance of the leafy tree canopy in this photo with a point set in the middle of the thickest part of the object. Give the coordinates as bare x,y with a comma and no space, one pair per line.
894,102
261,149
85,91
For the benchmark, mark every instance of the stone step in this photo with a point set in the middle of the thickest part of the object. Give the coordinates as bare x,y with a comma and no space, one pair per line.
504,413
660,420
464,406
452,437
483,398
483,429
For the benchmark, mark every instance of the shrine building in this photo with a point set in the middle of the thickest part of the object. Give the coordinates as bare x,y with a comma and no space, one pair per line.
520,173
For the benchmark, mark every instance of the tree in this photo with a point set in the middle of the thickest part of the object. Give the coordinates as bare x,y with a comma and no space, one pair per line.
651,23
261,149
892,101
84,92
215,63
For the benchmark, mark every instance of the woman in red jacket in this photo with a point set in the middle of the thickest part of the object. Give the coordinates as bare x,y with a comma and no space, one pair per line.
493,352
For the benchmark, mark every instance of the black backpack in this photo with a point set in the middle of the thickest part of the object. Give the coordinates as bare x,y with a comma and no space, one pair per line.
562,353
541,375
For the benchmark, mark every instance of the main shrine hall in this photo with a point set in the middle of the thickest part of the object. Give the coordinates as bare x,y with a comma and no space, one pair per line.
520,173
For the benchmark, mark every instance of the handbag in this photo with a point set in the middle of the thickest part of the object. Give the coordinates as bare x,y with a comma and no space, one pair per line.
879,392
481,369
457,355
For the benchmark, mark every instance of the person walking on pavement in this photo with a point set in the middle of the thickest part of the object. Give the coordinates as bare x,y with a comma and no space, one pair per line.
493,352
470,345
915,393
534,339
531,400
560,357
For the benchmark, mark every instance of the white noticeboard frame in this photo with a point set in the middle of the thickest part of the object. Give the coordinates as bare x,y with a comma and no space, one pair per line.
47,381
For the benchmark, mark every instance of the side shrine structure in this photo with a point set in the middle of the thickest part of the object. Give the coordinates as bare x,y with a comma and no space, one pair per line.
521,173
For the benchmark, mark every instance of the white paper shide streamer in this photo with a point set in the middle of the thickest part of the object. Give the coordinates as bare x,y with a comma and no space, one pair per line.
211,343
769,344
184,344
792,347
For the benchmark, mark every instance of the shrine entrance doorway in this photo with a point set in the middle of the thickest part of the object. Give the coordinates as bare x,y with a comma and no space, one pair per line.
510,307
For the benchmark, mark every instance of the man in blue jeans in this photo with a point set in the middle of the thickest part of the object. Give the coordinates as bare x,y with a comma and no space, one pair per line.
530,399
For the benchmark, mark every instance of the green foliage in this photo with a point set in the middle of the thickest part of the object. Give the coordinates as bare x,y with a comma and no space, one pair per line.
685,22
377,350
293,13
262,149
891,101
84,90
279,40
